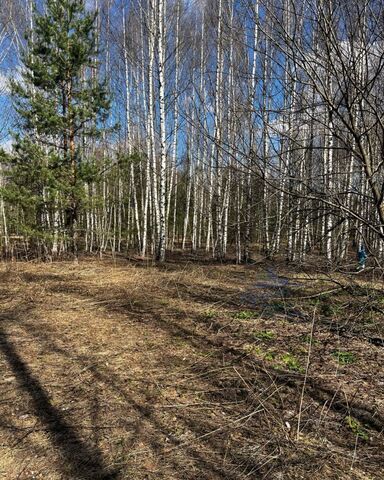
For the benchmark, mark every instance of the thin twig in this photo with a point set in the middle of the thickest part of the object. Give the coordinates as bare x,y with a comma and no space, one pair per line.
306,373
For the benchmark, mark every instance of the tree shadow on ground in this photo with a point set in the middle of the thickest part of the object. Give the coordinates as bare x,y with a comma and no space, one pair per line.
81,460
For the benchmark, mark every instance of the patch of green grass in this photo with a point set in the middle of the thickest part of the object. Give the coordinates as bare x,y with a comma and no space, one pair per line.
244,315
253,349
264,335
270,356
307,339
356,427
208,314
291,362
258,351
344,358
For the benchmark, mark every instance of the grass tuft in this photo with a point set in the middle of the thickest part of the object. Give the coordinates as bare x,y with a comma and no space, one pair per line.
264,335
344,358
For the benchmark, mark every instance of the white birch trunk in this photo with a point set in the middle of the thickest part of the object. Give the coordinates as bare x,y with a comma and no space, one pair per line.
160,254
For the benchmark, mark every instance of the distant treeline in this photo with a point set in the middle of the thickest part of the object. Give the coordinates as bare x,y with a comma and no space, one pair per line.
212,124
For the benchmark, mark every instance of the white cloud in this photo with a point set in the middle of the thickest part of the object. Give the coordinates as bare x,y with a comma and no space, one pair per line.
7,145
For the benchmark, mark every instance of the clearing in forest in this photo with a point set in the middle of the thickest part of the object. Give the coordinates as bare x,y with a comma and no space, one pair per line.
123,370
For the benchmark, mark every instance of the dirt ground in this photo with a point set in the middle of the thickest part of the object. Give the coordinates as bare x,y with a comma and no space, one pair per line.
124,370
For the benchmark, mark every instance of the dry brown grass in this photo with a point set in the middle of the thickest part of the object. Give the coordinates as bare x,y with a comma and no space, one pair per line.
188,371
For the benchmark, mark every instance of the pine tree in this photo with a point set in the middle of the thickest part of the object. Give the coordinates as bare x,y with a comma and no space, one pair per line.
60,105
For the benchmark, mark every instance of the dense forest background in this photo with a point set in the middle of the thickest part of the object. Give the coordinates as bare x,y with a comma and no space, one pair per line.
225,125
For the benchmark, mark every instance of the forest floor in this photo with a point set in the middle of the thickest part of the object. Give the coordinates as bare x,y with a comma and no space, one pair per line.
190,370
